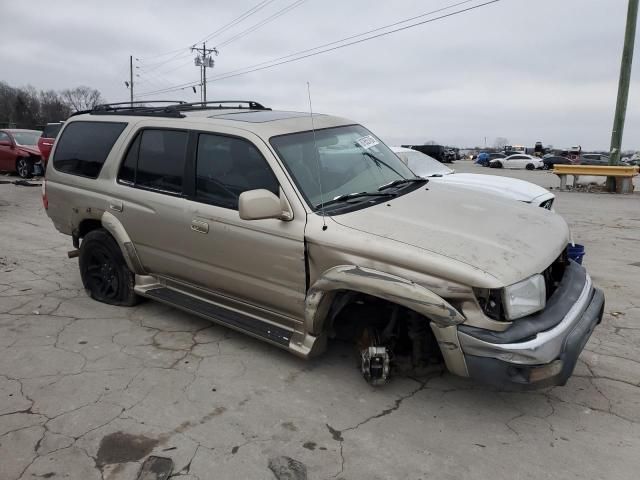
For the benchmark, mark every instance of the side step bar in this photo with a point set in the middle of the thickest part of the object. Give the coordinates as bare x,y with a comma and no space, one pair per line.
230,318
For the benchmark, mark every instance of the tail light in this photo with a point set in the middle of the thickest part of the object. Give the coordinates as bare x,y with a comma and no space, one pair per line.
45,200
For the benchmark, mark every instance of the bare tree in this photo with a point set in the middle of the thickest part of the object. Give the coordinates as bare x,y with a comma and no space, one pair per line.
81,98
52,107
500,143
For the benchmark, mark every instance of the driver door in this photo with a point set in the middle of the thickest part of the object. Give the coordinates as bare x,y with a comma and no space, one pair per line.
259,262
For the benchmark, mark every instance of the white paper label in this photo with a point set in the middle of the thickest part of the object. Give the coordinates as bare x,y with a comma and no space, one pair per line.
367,142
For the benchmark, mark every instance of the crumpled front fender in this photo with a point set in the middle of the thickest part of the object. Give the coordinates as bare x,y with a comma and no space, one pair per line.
378,284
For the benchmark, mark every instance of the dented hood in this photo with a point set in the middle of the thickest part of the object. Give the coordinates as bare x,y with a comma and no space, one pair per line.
30,149
508,240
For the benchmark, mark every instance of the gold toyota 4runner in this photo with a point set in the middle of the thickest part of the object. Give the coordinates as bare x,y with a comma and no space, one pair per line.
295,228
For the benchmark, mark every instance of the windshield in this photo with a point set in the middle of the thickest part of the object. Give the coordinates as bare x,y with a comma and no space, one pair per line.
347,160
423,165
26,138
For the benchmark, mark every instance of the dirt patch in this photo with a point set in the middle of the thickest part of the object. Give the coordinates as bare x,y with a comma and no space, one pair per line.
120,447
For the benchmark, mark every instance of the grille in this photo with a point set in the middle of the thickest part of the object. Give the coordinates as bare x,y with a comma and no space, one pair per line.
554,273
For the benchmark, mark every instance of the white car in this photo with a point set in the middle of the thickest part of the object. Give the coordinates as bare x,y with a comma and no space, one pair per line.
428,167
518,160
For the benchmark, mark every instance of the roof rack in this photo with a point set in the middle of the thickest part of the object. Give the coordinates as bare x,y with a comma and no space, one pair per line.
222,104
139,107
172,110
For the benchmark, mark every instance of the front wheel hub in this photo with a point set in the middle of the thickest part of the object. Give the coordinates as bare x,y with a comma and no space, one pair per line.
375,365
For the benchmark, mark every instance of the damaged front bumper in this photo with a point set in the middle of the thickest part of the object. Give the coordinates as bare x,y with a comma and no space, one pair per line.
540,350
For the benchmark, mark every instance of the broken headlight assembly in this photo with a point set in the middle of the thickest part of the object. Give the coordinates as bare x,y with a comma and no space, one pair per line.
515,301
525,297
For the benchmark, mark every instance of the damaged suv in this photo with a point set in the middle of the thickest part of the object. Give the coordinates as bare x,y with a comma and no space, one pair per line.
297,228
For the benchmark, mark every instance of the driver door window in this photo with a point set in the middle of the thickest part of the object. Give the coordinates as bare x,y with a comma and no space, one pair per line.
228,166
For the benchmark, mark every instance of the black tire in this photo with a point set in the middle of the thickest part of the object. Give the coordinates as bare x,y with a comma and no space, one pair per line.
496,165
104,271
24,167
530,166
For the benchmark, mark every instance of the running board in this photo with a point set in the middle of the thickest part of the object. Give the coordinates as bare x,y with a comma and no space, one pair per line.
218,314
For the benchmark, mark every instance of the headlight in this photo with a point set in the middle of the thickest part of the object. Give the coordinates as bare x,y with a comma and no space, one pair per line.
525,297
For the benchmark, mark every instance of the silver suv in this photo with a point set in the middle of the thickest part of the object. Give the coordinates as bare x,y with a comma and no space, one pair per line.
295,229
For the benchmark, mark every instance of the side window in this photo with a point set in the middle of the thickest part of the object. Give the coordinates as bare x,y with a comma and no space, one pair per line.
84,147
128,168
4,137
226,167
156,160
51,130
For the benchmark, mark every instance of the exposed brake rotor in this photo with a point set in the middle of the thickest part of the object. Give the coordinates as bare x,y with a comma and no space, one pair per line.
375,360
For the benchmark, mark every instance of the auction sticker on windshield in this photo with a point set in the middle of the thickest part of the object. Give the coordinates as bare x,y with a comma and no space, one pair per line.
367,142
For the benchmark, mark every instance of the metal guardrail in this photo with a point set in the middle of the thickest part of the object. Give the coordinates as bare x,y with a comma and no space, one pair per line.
597,170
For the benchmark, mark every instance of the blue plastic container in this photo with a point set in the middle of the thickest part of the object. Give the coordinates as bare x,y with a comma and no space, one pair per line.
576,252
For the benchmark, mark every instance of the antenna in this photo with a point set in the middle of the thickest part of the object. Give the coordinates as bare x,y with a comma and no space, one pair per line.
315,144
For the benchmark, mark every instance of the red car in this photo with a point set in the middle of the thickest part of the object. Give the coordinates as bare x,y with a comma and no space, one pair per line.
19,152
45,142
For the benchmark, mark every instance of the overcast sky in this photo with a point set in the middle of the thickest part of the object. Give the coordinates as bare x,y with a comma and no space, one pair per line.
526,70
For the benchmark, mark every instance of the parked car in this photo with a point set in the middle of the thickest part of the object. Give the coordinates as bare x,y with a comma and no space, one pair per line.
549,162
593,159
19,152
434,151
512,188
484,158
517,161
45,142
295,229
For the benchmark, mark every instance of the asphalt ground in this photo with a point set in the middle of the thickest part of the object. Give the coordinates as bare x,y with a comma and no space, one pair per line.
88,391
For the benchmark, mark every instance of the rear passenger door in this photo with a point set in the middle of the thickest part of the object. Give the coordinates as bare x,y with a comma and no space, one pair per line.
150,201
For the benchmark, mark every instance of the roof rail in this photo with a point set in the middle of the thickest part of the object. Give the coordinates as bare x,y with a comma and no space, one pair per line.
139,107
220,104
173,110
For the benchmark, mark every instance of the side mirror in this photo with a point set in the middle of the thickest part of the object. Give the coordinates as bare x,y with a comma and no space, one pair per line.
5,143
262,204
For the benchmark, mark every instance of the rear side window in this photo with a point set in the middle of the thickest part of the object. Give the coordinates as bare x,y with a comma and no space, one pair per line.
156,160
51,130
84,147
228,166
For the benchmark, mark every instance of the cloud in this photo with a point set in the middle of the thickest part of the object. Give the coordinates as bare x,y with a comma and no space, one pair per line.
525,70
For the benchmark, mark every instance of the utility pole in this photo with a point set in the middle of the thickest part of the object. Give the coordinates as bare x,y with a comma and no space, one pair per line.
204,60
131,79
623,89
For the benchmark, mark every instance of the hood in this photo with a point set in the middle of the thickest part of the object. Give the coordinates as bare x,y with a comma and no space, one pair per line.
30,149
509,241
513,188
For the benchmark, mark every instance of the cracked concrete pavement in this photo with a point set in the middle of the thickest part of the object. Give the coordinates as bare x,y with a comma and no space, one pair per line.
88,391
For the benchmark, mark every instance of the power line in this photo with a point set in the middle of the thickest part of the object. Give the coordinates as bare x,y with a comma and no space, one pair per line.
254,27
245,15
239,19
347,38
174,88
300,57
239,35
230,74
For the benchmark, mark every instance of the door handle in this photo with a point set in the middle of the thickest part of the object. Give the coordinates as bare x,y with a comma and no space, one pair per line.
116,205
199,226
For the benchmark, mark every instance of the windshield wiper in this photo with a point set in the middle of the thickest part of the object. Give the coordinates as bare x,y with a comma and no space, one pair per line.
401,181
350,196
